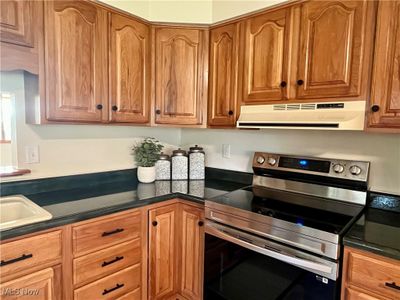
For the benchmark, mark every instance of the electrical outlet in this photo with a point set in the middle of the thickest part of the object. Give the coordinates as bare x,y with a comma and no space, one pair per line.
226,150
32,154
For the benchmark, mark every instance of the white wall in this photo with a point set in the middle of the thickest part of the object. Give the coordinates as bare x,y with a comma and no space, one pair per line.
139,8
383,150
75,149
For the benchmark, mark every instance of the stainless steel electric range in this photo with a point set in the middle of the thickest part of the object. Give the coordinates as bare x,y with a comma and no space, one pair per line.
281,237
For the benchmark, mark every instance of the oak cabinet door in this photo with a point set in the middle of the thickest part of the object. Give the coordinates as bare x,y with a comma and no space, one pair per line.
267,52
335,47
76,61
129,70
384,110
223,75
180,68
162,251
16,19
39,286
192,252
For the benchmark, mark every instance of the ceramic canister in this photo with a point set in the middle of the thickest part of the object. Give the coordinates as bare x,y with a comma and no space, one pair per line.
163,167
179,165
196,163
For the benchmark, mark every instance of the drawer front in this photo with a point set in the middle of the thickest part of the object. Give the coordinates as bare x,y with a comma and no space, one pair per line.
103,233
29,252
134,295
378,275
107,261
111,287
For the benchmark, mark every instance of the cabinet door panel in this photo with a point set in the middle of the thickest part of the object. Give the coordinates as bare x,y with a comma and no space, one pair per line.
129,69
333,48
386,75
354,294
266,57
223,75
192,252
16,19
162,251
179,63
76,56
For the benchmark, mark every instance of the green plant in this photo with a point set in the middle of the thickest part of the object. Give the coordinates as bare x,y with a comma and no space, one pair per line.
147,152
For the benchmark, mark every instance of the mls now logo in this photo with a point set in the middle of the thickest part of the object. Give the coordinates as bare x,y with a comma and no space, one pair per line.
19,292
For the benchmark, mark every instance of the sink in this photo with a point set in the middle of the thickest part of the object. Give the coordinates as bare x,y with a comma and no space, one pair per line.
18,210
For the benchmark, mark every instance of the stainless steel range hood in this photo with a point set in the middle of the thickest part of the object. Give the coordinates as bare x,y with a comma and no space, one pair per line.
339,115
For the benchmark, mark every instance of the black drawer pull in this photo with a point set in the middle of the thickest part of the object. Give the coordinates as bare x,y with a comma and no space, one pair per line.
393,285
14,260
201,223
300,82
114,108
154,223
118,230
106,263
375,108
118,286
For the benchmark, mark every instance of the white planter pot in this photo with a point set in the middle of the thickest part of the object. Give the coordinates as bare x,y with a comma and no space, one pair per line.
146,174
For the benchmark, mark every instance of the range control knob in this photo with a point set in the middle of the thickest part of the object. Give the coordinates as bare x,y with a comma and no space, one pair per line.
271,161
355,170
260,160
338,168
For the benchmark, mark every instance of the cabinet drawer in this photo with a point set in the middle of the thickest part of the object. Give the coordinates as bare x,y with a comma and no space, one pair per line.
107,261
103,233
134,295
29,252
374,273
112,286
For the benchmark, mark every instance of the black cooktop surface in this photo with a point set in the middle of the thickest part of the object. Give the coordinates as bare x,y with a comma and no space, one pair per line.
300,209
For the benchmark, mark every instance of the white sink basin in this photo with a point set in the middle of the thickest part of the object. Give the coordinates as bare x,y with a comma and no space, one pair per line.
18,210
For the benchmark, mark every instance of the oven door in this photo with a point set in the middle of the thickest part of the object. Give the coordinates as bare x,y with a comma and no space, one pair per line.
239,266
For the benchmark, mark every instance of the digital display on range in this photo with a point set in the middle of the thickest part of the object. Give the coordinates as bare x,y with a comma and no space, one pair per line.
321,166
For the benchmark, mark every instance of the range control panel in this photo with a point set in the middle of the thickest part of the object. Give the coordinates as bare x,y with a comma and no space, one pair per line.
337,168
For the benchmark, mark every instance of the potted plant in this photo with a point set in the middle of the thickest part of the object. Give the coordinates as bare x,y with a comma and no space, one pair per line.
146,154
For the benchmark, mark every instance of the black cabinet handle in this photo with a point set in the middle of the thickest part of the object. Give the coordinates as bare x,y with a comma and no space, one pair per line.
201,223
14,260
230,112
154,223
99,106
300,82
118,230
375,108
283,84
114,108
392,285
118,286
106,263
158,112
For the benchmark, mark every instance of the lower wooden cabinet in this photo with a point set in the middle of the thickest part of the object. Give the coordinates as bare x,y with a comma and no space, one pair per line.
369,276
39,286
176,242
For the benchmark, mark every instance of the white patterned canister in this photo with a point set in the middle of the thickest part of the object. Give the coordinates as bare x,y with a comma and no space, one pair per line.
163,167
179,165
196,163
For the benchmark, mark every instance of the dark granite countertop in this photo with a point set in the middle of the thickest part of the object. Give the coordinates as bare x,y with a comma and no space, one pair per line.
77,204
378,228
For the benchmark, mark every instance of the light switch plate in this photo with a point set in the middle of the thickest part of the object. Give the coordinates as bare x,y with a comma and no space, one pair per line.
32,154
226,150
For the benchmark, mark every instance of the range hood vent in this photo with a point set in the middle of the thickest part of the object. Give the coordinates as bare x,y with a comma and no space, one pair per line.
346,115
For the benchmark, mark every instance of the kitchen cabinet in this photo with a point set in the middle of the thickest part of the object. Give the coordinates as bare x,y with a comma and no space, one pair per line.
176,242
180,69
335,49
223,81
267,44
369,276
76,61
20,33
384,106
129,70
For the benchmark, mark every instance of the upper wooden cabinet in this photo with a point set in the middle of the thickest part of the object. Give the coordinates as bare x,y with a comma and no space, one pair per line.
384,108
335,49
222,99
76,61
129,70
180,58
267,51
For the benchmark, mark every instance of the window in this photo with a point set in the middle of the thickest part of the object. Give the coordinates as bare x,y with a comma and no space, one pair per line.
5,118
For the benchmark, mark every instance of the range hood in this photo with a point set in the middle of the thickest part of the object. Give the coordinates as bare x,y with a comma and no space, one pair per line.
346,115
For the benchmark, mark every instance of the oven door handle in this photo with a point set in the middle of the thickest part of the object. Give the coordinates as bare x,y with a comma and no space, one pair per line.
267,248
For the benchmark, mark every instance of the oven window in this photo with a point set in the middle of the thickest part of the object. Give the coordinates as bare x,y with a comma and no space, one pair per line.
232,272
